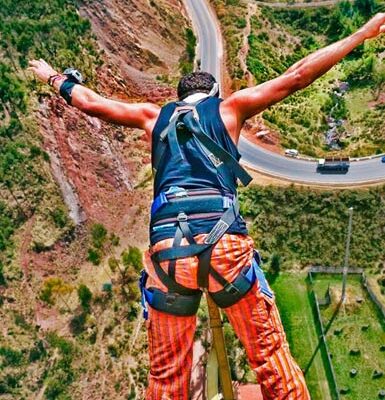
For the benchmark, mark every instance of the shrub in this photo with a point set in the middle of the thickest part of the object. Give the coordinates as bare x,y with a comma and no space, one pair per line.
60,217
2,277
85,296
13,358
132,258
54,287
99,235
94,256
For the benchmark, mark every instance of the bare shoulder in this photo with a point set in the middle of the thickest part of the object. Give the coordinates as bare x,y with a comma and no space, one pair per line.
151,113
232,122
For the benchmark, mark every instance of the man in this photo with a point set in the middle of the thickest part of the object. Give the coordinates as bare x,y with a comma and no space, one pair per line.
195,224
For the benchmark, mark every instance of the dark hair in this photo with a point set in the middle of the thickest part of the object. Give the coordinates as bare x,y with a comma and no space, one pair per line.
195,82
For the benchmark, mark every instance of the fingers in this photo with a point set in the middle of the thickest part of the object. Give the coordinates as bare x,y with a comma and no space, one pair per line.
33,63
36,63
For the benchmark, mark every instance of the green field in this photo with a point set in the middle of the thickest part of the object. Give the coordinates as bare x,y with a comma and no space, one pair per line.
346,333
297,318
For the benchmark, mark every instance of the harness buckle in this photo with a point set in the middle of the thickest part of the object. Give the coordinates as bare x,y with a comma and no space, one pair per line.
230,288
227,202
182,217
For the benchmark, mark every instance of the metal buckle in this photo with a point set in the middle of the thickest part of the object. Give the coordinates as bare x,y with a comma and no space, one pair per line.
230,288
227,202
182,217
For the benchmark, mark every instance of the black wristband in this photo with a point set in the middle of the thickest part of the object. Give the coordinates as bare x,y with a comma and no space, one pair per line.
66,90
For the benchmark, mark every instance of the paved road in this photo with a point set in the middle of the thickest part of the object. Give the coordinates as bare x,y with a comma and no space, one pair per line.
210,53
210,49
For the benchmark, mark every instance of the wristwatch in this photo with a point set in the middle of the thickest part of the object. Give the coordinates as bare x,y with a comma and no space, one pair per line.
73,75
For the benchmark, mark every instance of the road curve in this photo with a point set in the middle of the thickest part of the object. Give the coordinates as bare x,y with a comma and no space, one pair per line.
210,54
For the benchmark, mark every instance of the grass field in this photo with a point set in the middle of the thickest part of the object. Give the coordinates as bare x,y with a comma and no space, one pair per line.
358,327
297,318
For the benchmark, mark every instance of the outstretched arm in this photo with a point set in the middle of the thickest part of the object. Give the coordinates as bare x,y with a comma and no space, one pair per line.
251,101
134,115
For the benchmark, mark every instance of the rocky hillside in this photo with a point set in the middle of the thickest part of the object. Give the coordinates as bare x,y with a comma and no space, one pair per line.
74,195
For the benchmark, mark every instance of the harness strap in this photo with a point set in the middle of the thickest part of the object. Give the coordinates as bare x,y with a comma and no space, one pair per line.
176,243
228,217
204,267
183,226
170,133
218,151
171,284
179,252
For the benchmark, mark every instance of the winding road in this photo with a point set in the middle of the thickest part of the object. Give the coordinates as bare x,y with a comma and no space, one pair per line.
210,52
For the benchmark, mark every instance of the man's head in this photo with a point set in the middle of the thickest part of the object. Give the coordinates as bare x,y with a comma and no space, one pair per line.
194,83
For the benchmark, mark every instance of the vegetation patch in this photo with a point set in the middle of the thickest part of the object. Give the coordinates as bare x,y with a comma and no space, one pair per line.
308,227
186,63
34,30
297,318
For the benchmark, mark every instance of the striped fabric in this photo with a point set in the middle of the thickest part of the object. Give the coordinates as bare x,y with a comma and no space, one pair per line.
255,319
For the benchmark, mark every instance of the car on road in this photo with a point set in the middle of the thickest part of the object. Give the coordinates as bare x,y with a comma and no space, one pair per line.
291,152
383,159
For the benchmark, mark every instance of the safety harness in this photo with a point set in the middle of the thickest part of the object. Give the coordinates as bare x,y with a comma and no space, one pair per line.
177,206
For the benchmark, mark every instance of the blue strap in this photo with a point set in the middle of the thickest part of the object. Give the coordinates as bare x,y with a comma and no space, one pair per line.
158,203
146,295
264,286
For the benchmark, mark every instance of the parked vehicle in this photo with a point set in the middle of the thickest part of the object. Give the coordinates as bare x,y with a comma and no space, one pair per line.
383,159
291,152
333,164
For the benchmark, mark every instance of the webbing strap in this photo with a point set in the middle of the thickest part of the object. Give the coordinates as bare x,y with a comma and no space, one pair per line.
176,243
179,252
171,284
219,229
204,267
196,128
183,225
170,134
218,277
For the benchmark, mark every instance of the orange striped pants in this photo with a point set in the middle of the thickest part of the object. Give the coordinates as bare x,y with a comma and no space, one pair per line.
254,318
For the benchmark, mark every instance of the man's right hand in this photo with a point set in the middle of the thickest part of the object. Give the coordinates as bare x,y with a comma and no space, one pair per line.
41,69
374,26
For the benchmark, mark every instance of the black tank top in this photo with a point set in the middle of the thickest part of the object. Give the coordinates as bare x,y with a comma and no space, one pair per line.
196,171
